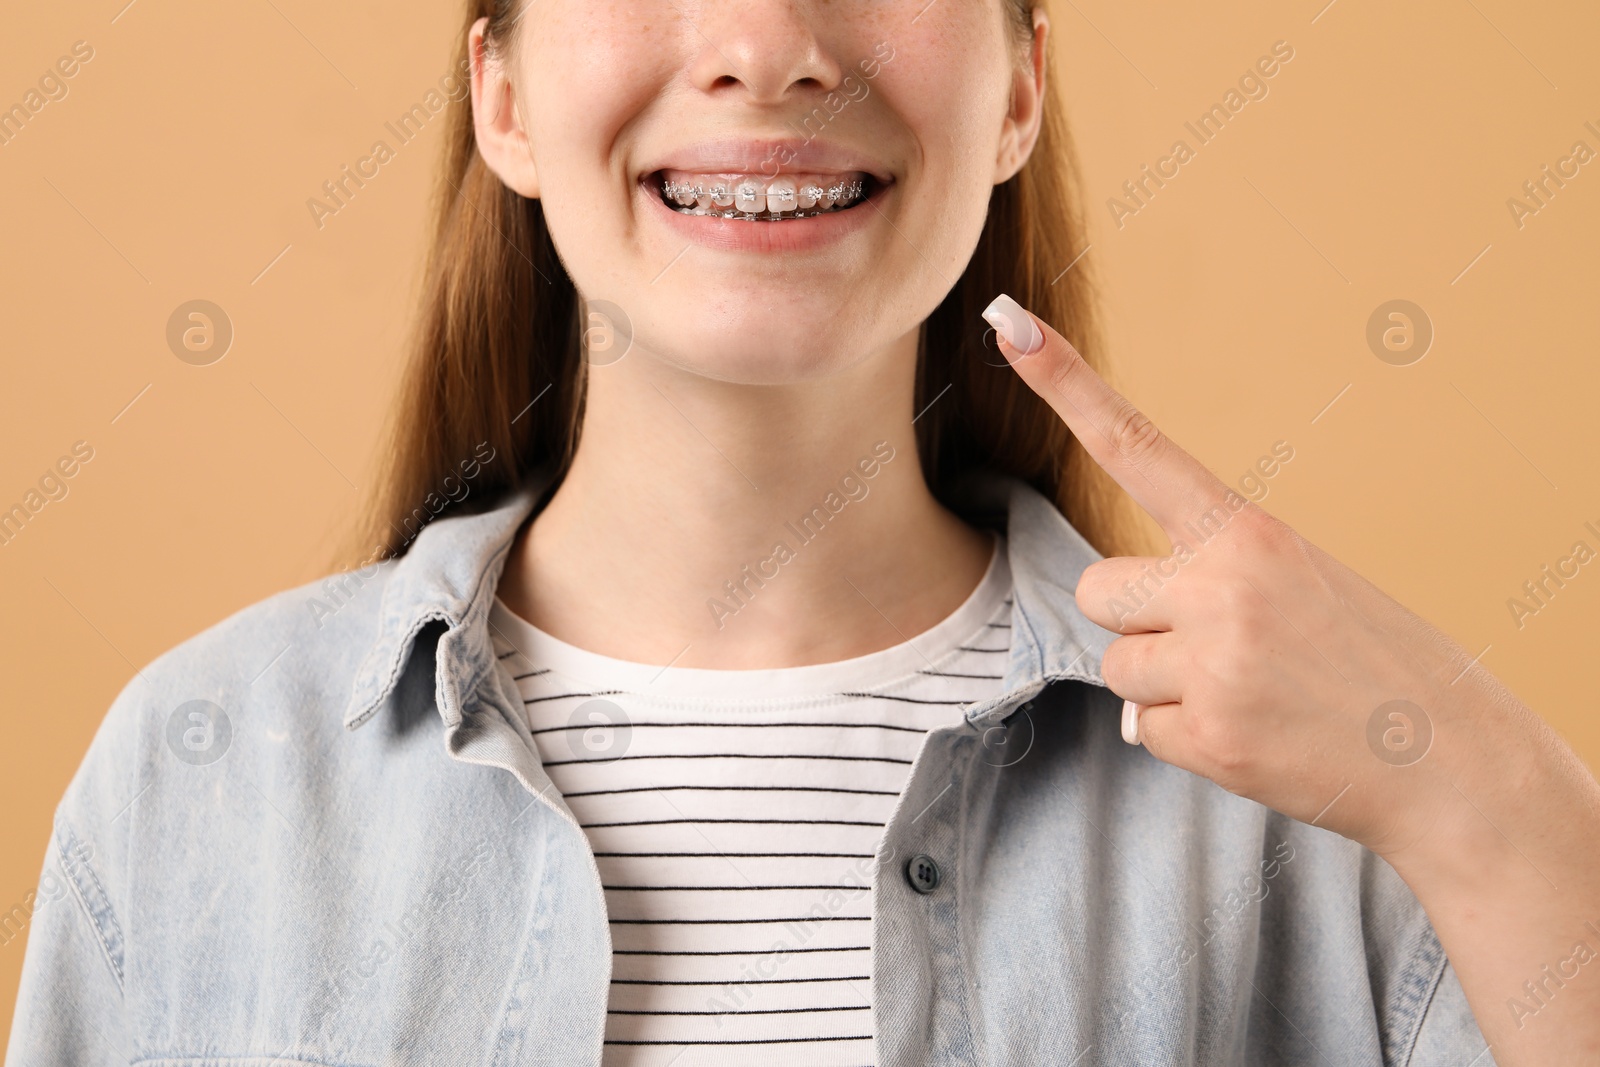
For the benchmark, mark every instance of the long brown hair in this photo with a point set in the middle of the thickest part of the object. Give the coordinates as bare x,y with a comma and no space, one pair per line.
496,366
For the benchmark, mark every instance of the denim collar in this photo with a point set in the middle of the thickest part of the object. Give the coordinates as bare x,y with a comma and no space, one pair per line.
449,575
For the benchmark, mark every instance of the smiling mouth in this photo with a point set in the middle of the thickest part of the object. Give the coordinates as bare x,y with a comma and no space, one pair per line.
757,198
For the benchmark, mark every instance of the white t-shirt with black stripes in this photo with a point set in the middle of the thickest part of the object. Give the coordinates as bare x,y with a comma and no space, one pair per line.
734,816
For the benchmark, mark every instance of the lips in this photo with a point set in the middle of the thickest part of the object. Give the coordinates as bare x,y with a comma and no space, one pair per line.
768,158
712,191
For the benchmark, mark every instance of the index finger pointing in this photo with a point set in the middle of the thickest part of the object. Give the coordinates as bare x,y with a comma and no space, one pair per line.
1167,482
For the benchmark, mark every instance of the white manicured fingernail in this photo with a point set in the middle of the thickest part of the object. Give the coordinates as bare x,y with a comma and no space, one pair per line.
1130,722
1014,325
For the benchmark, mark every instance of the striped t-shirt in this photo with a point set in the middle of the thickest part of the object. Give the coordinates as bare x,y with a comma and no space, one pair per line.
734,816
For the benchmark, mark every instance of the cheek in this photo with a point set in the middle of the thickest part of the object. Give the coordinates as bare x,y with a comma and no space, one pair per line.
586,72
951,76
954,112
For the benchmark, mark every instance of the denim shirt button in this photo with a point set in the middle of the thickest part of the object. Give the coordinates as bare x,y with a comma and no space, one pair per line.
923,874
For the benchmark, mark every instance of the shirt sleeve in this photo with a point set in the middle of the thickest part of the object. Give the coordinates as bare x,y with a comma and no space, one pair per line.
70,1005
71,1009
1449,1032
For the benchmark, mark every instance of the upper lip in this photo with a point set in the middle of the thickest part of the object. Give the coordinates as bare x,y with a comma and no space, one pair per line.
769,156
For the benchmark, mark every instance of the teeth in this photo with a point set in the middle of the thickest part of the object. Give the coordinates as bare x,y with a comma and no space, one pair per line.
780,196
755,199
749,196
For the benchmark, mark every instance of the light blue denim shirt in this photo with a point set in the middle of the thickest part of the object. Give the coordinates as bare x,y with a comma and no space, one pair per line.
347,854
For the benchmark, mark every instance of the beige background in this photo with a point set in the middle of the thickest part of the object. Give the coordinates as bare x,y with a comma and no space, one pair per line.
1378,167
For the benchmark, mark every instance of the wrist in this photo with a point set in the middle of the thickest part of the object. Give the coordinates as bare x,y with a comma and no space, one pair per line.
1476,785
1491,818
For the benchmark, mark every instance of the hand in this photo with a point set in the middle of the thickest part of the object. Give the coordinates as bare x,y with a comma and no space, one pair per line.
1265,665
1252,657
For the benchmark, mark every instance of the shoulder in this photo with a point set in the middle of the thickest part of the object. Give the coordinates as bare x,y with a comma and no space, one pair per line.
238,691
294,654
265,695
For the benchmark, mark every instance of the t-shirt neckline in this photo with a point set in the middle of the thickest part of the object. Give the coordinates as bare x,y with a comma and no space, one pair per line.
593,672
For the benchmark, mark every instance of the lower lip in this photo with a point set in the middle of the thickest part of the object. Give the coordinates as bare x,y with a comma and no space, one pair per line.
741,235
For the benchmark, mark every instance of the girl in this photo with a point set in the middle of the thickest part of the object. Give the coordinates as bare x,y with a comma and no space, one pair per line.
726,680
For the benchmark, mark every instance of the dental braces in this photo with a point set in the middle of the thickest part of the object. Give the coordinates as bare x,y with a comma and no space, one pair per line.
725,198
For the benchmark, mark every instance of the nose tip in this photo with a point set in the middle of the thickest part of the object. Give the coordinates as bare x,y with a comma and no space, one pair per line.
766,49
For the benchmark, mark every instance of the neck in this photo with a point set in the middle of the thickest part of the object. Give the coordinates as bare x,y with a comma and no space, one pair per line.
710,524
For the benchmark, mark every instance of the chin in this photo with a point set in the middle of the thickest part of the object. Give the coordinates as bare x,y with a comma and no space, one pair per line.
752,340
771,355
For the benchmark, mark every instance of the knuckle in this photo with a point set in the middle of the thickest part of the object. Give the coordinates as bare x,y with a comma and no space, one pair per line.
1237,603
1119,664
1154,737
1065,372
1263,532
1219,743
1233,664
1134,436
